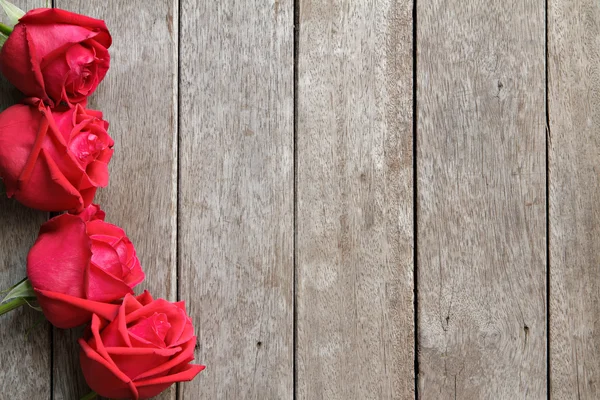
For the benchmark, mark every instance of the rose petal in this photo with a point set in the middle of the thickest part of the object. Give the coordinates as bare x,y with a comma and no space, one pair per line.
145,298
91,213
56,16
107,154
61,124
103,231
136,274
181,305
87,196
103,286
96,341
185,356
58,259
18,131
26,163
105,256
19,63
135,361
104,378
53,40
141,351
159,305
151,330
152,387
97,172
115,333
178,320
66,312
48,189
186,334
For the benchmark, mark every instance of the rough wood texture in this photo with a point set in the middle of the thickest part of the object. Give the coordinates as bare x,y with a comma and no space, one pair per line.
24,346
481,199
354,201
236,195
574,149
139,99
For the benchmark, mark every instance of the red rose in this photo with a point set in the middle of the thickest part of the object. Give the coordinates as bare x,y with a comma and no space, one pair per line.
56,55
78,265
145,349
53,159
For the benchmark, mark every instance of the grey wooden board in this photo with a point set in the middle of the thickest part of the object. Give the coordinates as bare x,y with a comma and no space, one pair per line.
139,99
355,201
574,164
481,199
236,195
25,357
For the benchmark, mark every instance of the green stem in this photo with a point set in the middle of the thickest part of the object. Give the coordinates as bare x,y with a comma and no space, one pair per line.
90,396
5,29
12,304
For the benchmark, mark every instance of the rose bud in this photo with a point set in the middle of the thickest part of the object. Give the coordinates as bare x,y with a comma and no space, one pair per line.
56,55
145,349
53,160
79,265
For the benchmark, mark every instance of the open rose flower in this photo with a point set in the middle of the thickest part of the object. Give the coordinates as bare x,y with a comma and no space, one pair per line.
53,160
79,265
146,348
56,55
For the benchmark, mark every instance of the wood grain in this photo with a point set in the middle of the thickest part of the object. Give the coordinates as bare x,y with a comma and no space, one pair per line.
236,195
574,164
355,201
481,199
24,337
139,99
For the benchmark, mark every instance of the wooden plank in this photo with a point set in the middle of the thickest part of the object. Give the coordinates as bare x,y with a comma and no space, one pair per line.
236,195
574,159
355,201
25,349
481,199
139,99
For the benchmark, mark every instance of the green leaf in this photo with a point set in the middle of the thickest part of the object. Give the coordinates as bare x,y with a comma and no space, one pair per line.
3,39
22,290
14,13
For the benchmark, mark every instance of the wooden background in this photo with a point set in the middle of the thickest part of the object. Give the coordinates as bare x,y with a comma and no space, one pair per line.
358,199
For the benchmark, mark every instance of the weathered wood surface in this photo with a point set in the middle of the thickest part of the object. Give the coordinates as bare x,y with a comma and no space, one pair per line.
355,201
574,161
25,350
139,99
481,199
219,226
236,195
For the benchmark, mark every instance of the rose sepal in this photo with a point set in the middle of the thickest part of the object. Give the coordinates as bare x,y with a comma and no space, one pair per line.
13,12
18,295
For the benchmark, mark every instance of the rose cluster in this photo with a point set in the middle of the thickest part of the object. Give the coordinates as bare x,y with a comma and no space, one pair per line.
53,150
54,155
